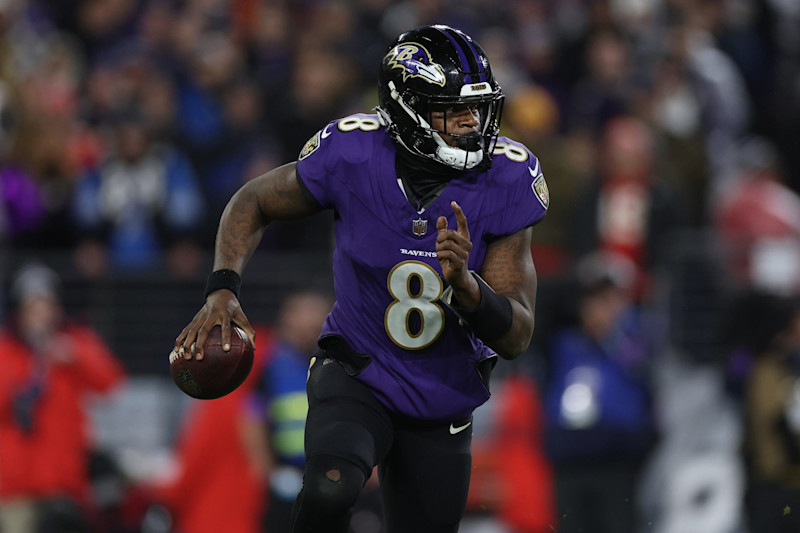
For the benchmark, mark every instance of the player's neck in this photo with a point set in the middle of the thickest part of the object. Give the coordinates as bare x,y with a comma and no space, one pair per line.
423,181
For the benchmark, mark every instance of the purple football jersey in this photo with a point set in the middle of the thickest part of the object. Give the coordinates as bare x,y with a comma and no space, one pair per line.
387,279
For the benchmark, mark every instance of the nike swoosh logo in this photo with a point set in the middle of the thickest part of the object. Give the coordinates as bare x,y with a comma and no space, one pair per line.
459,429
534,172
325,132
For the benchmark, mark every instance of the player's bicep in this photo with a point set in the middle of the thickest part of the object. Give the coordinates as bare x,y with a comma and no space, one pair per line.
281,196
508,267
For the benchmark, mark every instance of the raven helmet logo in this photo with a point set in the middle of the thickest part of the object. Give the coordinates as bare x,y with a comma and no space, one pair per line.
419,227
415,61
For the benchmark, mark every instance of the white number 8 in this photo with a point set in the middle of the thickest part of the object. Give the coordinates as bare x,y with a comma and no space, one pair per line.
399,312
354,122
511,151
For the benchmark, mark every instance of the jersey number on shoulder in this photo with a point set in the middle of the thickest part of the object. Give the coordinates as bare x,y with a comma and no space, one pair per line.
355,122
512,151
415,287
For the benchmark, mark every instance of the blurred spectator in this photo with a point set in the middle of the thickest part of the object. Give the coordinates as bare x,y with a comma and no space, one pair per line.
512,482
539,44
718,84
772,408
212,61
158,101
269,38
607,88
227,166
50,367
598,402
21,205
21,209
99,24
758,221
674,108
143,200
498,43
627,209
41,141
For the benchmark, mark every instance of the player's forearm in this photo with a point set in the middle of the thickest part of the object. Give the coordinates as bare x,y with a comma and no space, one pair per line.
508,269
503,321
276,195
516,340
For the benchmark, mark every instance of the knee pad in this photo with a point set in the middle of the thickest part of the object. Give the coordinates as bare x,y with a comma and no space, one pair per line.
331,485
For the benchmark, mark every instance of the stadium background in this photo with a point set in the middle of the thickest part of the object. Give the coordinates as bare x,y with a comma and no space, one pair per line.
222,90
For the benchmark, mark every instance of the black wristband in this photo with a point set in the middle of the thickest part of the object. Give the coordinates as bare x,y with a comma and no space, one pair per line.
492,318
224,279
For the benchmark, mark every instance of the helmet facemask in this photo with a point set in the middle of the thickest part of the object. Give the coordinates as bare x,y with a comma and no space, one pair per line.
412,124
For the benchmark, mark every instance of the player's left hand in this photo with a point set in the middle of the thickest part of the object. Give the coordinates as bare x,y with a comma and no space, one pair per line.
452,250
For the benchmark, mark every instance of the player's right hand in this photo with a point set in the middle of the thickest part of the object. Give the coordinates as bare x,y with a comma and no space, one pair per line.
221,308
453,246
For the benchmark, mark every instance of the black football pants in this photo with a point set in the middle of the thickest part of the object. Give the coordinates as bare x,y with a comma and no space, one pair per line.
424,470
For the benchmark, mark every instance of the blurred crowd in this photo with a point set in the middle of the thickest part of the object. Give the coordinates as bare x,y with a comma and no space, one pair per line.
127,124
663,126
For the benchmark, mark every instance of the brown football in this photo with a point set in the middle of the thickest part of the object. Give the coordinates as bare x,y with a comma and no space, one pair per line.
218,372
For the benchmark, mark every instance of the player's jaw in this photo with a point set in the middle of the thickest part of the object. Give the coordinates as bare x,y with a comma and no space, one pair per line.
461,120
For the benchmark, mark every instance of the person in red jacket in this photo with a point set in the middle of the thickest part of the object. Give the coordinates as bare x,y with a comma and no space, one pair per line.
49,365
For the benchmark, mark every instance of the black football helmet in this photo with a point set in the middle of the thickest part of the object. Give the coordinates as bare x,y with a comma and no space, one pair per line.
439,68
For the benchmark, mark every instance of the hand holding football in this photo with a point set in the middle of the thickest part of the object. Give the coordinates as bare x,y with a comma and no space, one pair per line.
219,372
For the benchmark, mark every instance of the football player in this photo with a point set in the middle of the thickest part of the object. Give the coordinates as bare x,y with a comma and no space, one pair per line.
432,272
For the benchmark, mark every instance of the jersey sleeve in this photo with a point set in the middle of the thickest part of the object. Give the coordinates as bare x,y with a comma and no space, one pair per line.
333,155
313,167
527,197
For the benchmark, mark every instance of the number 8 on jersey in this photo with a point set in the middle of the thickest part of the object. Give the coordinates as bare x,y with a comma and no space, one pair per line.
401,284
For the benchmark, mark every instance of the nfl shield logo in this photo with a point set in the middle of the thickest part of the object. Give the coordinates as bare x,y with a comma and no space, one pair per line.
419,227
